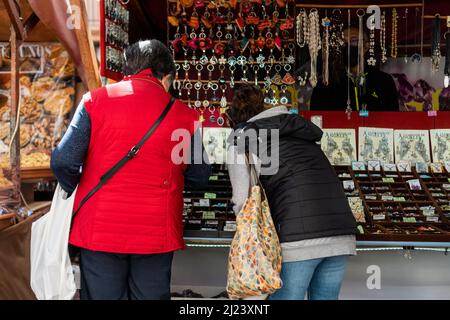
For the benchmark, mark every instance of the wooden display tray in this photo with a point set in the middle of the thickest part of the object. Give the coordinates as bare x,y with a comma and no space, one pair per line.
36,173
417,199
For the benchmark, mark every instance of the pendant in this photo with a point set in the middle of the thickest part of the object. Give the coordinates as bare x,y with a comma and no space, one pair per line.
223,102
220,121
260,60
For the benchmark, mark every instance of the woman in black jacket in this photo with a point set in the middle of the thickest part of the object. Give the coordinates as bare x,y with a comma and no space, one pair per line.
314,222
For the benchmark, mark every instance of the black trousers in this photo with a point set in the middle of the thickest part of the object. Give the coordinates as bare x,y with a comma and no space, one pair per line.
109,276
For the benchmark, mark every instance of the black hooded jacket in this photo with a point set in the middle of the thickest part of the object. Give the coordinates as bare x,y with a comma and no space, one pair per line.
306,198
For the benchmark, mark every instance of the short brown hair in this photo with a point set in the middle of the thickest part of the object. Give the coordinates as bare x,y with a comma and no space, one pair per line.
248,101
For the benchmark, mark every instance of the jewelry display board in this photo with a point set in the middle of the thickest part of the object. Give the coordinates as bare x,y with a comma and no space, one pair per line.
114,37
218,45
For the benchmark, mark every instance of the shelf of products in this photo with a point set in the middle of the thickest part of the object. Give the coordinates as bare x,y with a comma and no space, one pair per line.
209,213
387,206
399,206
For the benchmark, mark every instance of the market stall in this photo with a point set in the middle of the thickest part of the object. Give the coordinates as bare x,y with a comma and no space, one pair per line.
288,48
394,166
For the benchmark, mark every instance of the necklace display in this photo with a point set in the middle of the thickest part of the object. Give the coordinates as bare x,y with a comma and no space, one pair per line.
349,110
371,61
383,38
416,57
361,61
314,44
326,22
337,41
406,35
436,44
447,59
302,28
394,45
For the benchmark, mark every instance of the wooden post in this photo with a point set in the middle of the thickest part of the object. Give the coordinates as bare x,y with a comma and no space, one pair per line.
15,131
87,50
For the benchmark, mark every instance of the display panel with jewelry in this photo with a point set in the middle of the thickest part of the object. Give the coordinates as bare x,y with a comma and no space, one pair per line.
436,44
447,59
394,37
235,42
314,44
360,76
348,111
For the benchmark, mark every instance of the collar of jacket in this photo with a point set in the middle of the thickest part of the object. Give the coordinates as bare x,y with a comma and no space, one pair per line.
146,75
272,112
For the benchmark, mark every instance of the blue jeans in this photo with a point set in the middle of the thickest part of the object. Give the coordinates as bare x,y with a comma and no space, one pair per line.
320,278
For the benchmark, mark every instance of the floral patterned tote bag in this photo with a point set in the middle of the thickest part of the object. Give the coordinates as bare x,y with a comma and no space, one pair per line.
254,262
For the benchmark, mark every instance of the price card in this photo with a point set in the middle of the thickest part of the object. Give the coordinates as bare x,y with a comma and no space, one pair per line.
399,199
390,167
387,198
358,166
187,200
409,219
422,167
371,197
208,215
428,211
415,184
230,226
209,195
349,185
436,168
374,165
361,229
433,219
204,202
213,178
379,217
388,180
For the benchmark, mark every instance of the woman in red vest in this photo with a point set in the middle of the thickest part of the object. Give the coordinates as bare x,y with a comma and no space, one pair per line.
129,229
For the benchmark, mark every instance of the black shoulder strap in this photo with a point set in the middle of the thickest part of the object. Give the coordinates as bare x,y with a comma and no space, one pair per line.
130,155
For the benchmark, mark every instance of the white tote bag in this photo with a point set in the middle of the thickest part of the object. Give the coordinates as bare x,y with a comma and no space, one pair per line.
52,275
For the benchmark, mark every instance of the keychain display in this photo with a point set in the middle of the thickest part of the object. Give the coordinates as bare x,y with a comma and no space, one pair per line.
221,44
116,39
229,43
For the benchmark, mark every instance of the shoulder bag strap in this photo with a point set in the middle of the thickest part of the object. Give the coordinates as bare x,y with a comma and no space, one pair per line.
130,155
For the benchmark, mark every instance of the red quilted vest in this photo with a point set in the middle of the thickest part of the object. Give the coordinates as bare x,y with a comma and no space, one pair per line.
138,211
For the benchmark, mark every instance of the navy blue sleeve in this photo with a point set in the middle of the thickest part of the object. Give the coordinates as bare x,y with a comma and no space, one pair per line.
198,171
68,157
